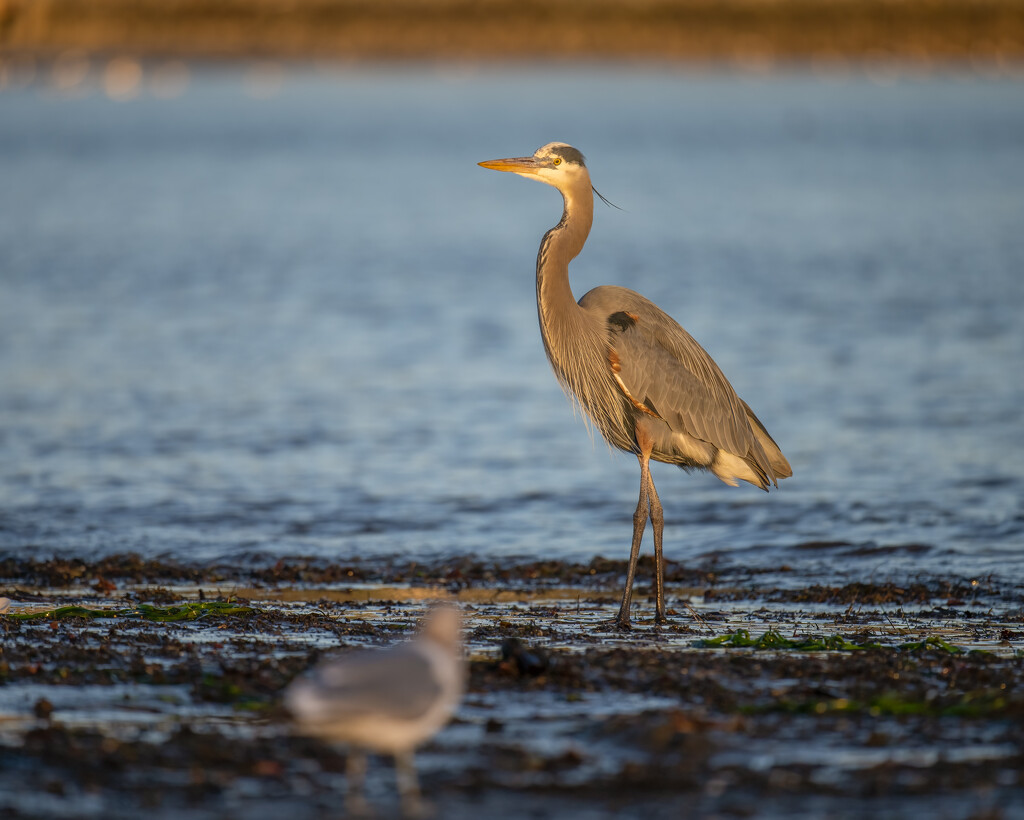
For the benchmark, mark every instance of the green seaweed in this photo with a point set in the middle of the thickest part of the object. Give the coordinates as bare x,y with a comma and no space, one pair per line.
147,612
771,639
930,643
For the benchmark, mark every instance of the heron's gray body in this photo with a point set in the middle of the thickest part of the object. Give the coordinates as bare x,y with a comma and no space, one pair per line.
669,385
643,380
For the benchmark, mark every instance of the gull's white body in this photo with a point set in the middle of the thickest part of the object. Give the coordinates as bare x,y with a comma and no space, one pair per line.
353,699
387,701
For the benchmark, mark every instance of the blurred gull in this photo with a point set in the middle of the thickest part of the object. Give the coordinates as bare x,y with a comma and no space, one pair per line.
386,701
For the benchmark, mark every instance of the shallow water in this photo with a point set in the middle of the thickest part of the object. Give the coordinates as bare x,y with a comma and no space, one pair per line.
236,326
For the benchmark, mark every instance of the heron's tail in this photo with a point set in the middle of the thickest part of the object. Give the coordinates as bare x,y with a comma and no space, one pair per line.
779,466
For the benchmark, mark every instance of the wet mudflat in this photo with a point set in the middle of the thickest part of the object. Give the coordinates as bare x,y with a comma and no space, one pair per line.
160,692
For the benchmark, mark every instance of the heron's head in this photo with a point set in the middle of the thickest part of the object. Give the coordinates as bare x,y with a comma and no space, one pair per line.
556,164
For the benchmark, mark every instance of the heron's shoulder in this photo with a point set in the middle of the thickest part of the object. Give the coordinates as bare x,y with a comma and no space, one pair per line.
625,310
613,299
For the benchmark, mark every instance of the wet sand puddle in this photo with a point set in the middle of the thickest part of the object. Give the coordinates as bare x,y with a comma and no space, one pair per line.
564,716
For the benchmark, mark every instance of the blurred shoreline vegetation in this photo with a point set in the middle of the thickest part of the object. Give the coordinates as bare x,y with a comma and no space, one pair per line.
747,33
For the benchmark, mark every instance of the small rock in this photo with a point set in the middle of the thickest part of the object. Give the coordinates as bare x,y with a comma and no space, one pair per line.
523,659
43,709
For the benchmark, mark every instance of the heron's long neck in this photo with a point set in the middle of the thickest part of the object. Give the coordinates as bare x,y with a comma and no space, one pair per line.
558,248
564,326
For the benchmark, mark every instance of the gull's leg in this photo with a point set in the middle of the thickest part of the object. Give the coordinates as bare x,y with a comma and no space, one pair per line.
639,522
658,524
355,772
408,785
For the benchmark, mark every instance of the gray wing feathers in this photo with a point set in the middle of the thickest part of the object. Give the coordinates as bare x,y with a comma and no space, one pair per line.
665,368
398,682
780,466
686,387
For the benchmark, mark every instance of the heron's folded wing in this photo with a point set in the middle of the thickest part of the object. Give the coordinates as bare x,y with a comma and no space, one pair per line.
663,367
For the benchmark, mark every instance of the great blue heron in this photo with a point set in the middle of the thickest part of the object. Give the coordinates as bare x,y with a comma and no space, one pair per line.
385,701
646,384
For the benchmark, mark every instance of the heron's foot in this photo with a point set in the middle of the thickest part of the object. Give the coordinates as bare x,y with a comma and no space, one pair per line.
661,619
622,623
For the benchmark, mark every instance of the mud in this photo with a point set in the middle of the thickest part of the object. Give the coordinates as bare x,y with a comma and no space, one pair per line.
118,711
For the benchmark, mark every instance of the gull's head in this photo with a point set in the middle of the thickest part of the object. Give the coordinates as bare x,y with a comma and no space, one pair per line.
556,164
443,625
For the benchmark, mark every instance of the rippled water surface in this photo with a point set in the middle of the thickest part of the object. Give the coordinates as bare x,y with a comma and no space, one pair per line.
306,324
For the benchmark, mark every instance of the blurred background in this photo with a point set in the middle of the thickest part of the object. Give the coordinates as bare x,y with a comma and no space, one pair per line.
256,298
744,31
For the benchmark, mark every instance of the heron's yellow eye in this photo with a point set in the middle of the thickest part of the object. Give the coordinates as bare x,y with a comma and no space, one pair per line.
557,161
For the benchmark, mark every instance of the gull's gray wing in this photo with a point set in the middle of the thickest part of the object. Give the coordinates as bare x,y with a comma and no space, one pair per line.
398,682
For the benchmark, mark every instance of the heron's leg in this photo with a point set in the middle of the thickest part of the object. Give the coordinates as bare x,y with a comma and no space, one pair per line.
355,772
639,522
408,785
658,524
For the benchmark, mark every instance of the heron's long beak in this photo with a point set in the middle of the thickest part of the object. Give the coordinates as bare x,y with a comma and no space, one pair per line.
517,165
